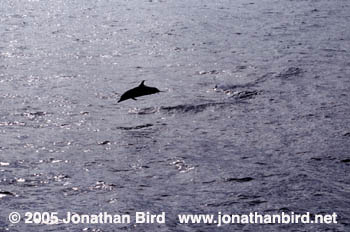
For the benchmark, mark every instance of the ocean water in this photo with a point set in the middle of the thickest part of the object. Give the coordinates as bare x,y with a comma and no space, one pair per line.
254,117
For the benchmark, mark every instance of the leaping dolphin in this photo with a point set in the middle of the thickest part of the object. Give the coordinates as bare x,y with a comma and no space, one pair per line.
139,91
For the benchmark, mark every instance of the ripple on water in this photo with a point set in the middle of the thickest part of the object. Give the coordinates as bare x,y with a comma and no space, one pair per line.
135,127
181,165
198,108
98,186
192,108
239,180
290,72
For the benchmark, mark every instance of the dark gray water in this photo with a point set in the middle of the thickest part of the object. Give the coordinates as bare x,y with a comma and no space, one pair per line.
255,116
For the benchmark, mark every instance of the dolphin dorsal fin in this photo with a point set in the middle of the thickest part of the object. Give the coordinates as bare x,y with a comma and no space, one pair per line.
142,83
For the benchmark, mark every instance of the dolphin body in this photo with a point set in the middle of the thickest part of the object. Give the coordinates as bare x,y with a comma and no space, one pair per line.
139,91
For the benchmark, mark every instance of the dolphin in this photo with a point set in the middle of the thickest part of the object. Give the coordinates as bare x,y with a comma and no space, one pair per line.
138,91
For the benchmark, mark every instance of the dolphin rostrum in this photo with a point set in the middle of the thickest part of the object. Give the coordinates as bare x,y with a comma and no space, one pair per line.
139,91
